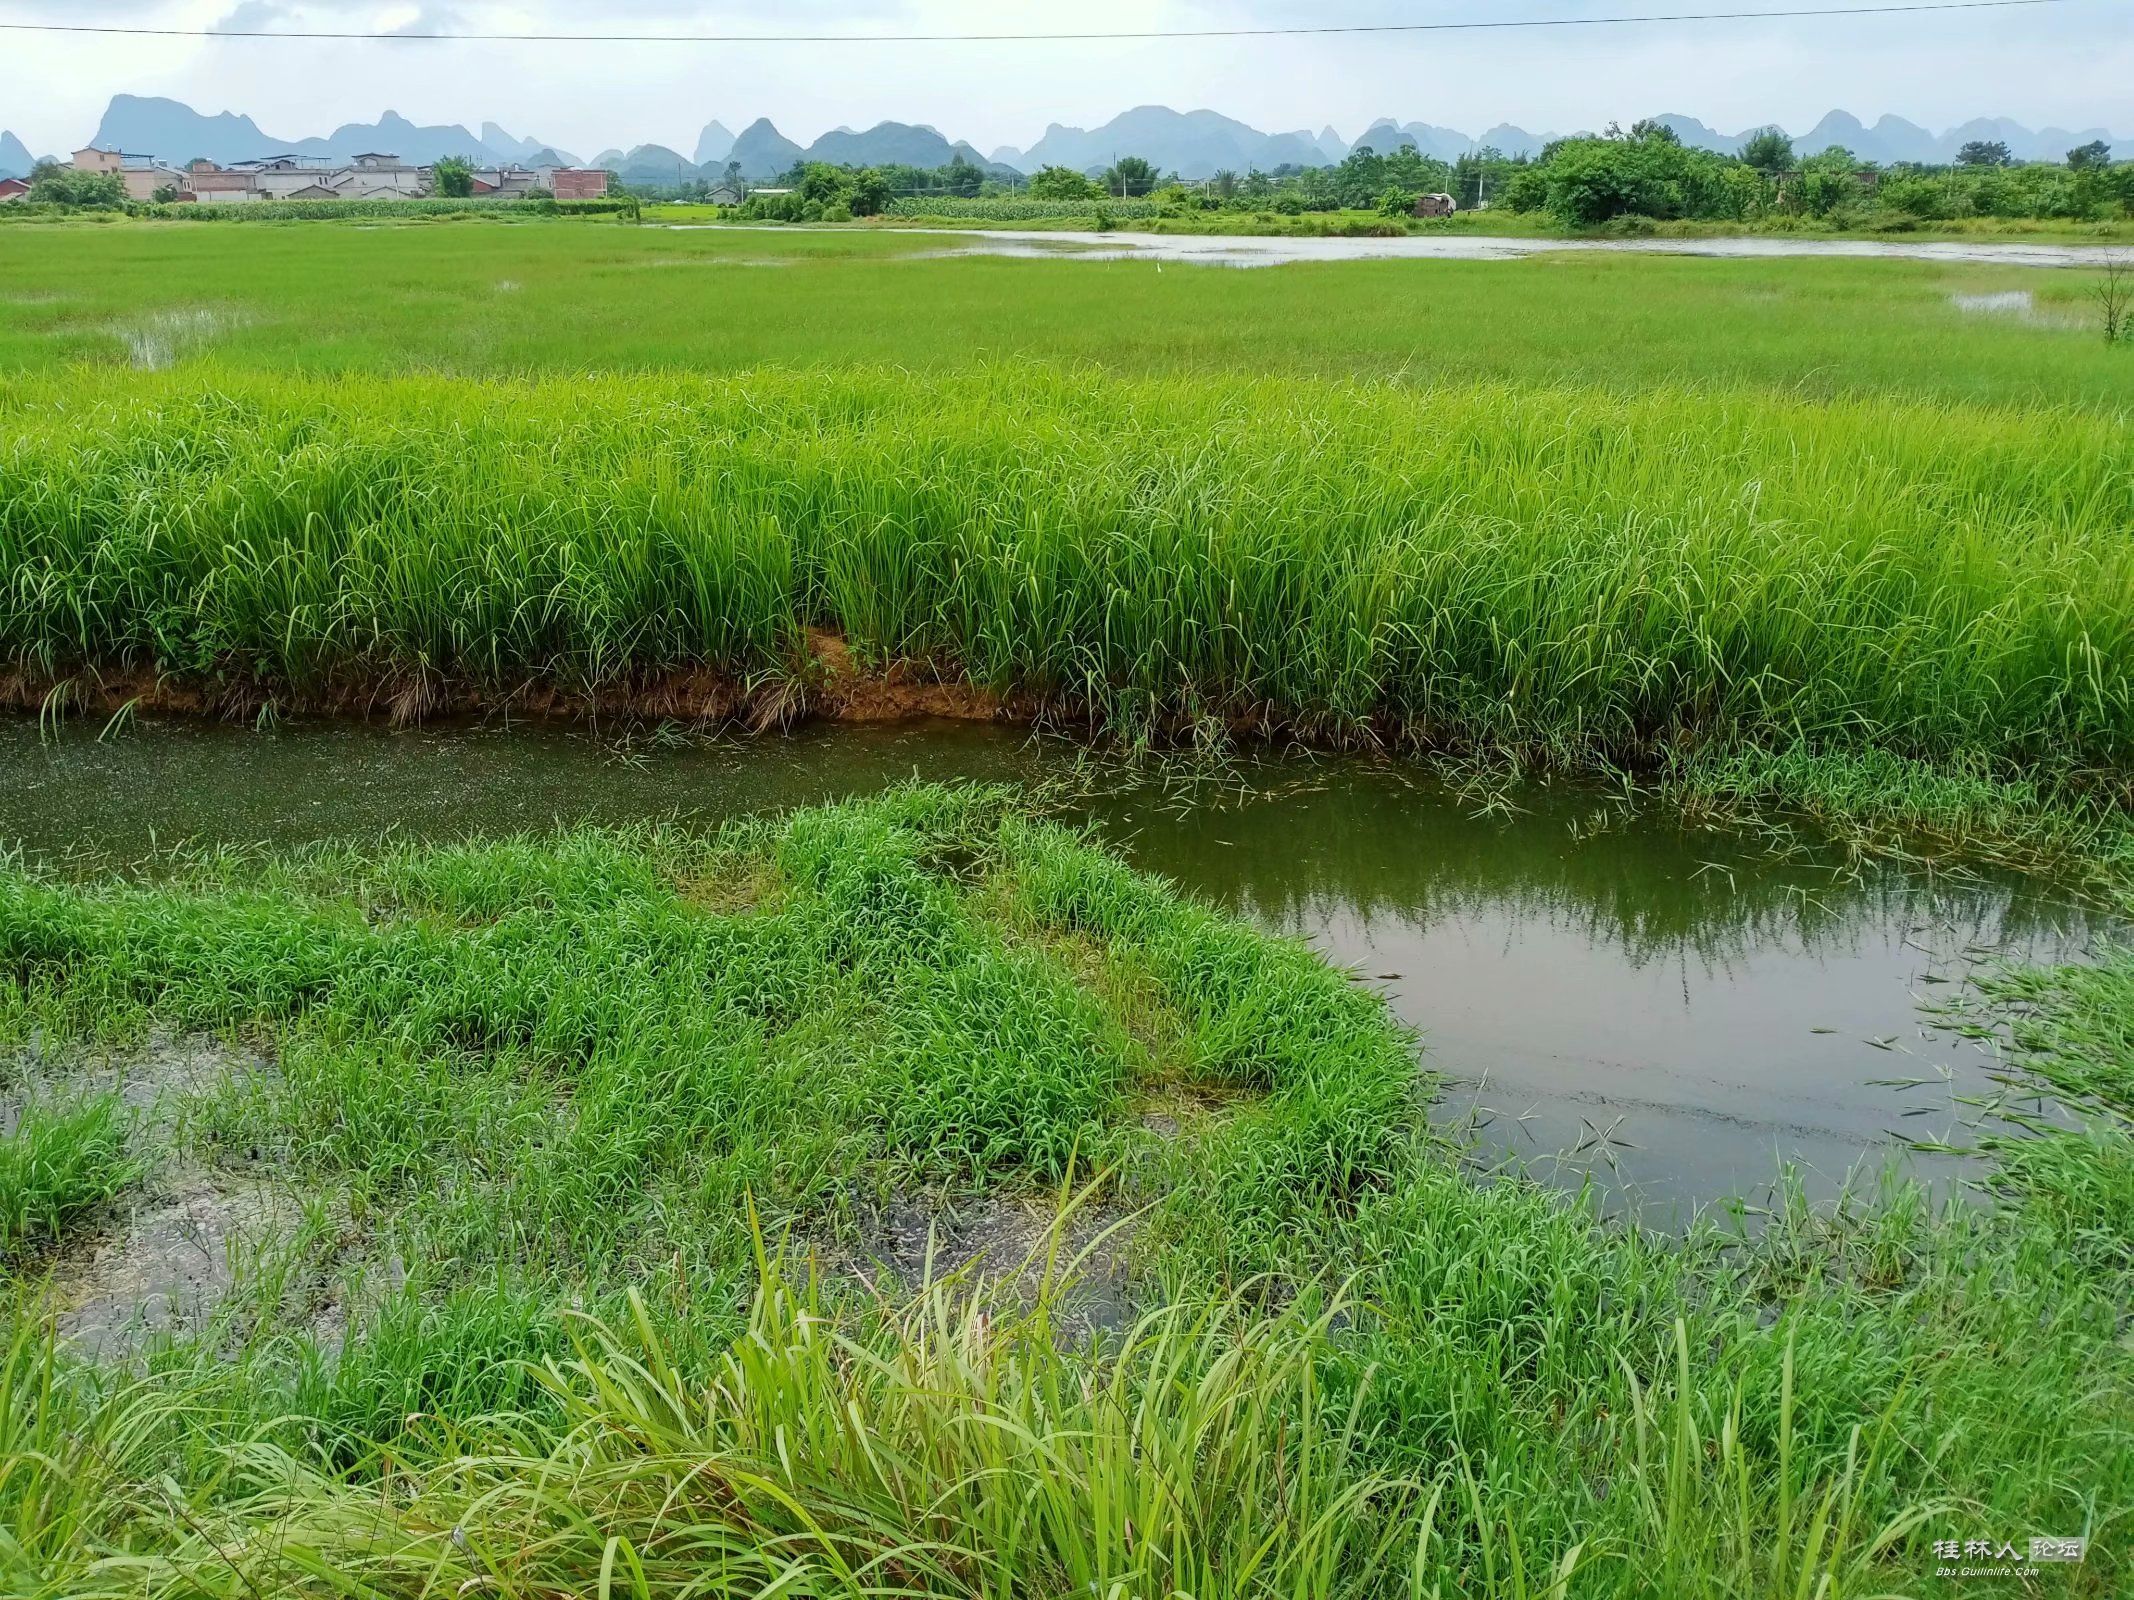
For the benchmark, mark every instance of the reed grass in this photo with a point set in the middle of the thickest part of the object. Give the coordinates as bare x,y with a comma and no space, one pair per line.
1553,567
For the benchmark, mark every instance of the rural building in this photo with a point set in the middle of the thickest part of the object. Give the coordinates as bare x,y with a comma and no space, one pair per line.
142,175
220,186
13,189
285,177
727,194
506,183
377,176
579,183
143,182
1435,205
374,175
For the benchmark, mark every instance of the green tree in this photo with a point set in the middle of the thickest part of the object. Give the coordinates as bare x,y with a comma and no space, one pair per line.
1768,150
453,177
1062,183
51,184
962,177
1130,175
1647,128
2090,157
1984,153
870,193
1226,184
1591,181
820,183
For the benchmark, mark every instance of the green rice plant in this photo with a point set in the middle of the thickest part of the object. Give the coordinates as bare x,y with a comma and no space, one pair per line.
546,296
60,1159
1561,569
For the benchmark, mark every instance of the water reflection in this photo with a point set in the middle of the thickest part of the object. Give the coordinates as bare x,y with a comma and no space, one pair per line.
1237,250
1666,1002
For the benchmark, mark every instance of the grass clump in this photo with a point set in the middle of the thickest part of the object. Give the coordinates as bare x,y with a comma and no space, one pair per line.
60,1159
596,1120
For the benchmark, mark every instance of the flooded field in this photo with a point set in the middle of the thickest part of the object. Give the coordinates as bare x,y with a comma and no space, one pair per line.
1241,250
1609,992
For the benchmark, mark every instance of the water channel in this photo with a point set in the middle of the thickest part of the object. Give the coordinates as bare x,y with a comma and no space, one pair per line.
1611,993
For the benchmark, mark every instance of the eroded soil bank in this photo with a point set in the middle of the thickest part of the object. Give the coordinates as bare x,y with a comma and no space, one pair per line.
828,682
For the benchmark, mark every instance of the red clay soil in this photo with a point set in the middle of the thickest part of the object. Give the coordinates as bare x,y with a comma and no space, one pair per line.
830,684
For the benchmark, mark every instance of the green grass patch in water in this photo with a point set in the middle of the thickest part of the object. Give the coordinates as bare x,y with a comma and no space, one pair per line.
582,1121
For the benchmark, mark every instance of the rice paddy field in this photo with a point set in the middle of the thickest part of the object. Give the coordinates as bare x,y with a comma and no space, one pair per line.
903,1195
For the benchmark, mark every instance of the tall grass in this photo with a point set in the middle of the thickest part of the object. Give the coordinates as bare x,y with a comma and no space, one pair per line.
1538,565
953,1448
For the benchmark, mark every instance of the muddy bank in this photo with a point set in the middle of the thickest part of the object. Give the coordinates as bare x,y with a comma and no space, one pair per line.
829,682
163,1258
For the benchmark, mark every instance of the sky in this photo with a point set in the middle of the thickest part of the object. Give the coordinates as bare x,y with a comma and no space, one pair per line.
2069,65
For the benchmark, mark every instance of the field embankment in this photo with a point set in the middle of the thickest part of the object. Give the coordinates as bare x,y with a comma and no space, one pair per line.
1558,568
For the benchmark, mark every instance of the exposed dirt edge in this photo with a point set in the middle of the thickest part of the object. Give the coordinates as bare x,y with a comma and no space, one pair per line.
829,682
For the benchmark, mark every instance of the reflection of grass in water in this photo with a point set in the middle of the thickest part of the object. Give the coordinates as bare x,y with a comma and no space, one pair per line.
1379,843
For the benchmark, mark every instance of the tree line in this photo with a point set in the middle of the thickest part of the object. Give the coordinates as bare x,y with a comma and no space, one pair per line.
1627,177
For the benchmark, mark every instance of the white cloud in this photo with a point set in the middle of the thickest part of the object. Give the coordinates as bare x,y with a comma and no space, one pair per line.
254,15
432,17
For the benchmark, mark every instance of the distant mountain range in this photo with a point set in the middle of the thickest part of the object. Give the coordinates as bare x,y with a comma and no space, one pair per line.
1195,144
1894,139
176,133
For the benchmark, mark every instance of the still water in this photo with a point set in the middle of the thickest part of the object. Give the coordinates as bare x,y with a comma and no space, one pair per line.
1239,250
1609,994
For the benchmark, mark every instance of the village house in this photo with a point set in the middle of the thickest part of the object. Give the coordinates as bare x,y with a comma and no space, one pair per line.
726,194
286,177
373,175
378,176
13,189
1435,205
507,183
142,175
220,186
578,183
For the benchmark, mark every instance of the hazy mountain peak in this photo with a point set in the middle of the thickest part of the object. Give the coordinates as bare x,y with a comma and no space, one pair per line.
714,144
15,158
762,151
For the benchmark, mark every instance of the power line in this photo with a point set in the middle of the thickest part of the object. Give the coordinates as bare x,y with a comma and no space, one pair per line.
1499,25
